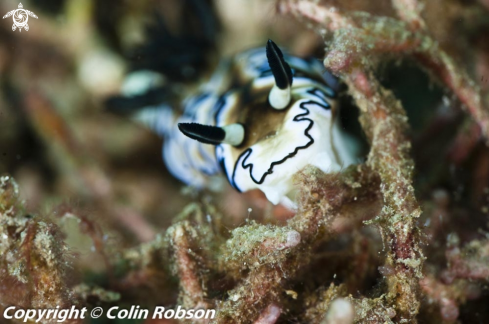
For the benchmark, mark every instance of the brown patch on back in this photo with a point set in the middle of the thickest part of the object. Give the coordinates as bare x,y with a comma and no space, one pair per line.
259,118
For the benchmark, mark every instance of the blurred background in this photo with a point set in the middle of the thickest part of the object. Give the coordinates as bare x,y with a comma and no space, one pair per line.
61,146
67,153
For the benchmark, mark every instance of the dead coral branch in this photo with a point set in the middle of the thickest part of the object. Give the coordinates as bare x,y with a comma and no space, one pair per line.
360,38
34,259
384,120
274,255
183,239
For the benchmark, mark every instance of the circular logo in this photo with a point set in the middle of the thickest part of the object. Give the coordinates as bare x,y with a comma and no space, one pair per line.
20,18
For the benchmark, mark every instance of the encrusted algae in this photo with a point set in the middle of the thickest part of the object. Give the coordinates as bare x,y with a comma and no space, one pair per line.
189,264
373,310
143,271
358,42
254,245
192,241
34,261
321,199
389,156
85,292
366,310
318,304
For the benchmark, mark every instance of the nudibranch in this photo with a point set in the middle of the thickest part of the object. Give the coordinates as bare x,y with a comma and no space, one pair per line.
262,117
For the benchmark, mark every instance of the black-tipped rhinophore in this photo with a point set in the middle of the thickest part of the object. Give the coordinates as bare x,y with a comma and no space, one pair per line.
203,133
280,69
